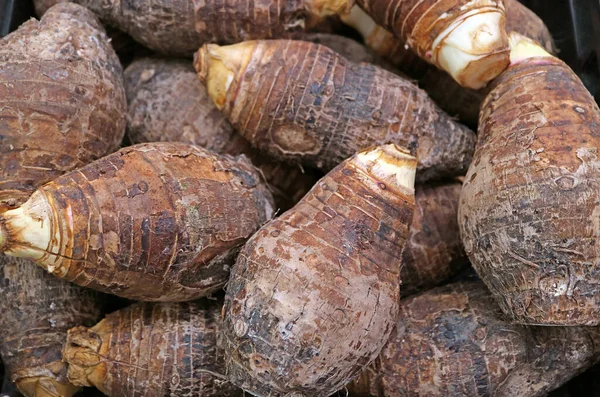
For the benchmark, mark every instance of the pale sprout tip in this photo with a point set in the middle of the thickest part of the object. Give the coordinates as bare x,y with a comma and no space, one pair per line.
522,48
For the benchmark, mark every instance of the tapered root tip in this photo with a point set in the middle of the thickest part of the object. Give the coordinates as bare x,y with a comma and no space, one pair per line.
44,386
219,68
83,355
521,48
391,165
474,49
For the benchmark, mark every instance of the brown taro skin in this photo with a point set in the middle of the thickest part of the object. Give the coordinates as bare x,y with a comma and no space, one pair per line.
350,49
168,103
434,251
302,102
180,27
154,222
36,310
454,341
529,208
440,86
314,293
152,350
62,102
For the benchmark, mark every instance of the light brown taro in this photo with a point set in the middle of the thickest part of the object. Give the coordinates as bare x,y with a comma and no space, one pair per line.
314,293
528,211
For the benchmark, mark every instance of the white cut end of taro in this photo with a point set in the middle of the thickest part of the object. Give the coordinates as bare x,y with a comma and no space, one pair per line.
522,48
391,165
474,48
359,20
30,228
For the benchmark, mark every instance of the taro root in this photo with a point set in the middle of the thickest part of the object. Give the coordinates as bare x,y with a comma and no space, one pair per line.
302,102
36,310
351,49
314,293
152,349
41,6
156,221
180,27
528,211
62,102
454,341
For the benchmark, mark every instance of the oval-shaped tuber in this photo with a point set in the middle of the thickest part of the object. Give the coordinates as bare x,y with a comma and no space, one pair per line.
454,340
62,102
152,349
180,27
168,103
529,208
159,221
302,102
314,293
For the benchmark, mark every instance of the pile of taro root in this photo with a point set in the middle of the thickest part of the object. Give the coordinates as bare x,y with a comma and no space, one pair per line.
296,198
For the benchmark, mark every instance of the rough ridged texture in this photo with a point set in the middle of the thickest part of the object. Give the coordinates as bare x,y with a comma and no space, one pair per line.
152,350
350,49
529,207
442,88
302,102
168,103
429,26
180,27
159,221
36,310
62,102
313,295
454,341
434,251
